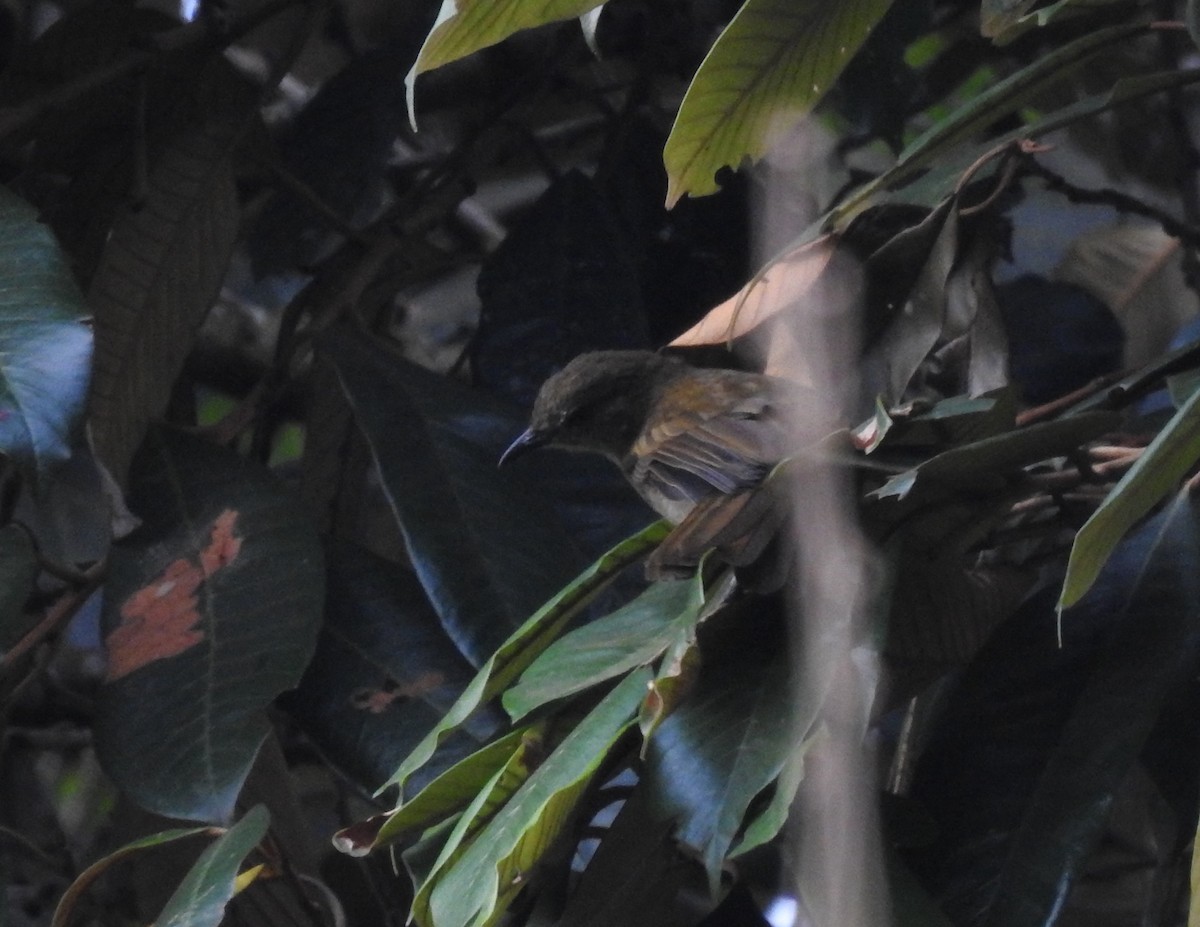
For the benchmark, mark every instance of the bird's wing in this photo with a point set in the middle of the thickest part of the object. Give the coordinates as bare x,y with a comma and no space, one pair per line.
713,436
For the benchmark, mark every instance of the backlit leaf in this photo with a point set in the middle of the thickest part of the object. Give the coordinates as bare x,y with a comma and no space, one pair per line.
463,27
775,60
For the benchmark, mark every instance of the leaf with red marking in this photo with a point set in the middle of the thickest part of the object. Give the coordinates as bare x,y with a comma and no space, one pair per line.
210,611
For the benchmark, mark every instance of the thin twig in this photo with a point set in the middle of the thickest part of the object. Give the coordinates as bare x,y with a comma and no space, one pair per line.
1122,202
56,615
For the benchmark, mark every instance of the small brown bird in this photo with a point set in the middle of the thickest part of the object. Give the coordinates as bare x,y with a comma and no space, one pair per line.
697,445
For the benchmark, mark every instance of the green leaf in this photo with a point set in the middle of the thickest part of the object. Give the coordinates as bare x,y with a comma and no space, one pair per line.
487,551
208,887
70,898
384,670
45,343
1172,453
18,570
162,268
483,808
1005,20
530,640
211,610
1152,587
729,740
766,825
445,796
775,60
510,845
611,646
463,27
982,464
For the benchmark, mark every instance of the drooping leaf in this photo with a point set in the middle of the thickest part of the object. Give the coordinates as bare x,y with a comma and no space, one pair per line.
512,774
209,885
1154,587
488,550
773,63
447,794
983,463
66,905
491,870
211,609
1172,453
159,274
611,646
384,670
784,281
528,641
728,741
45,342
18,570
466,26
767,824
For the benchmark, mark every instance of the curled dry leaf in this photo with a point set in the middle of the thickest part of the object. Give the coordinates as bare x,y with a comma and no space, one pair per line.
782,283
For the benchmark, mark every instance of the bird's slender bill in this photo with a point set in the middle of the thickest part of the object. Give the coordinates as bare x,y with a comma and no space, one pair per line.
527,440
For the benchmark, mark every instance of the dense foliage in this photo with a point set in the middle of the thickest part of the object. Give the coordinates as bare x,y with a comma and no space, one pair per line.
280,644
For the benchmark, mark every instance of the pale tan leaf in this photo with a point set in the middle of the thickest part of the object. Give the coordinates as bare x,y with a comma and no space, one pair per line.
1137,271
781,284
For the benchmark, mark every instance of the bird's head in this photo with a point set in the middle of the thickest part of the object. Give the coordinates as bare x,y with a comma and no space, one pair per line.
598,402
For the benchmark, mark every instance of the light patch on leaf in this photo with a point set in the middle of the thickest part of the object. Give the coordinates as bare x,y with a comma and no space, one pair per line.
376,701
159,620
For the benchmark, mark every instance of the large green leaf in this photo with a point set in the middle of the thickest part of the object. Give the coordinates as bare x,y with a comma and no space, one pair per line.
384,670
1153,585
611,646
493,867
530,640
1172,453
463,27
775,60
729,740
488,550
208,887
45,343
161,270
211,609
441,799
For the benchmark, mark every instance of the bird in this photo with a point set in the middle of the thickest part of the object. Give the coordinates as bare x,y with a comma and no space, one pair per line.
697,444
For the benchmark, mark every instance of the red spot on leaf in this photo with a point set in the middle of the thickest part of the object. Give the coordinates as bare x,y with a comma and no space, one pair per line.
159,620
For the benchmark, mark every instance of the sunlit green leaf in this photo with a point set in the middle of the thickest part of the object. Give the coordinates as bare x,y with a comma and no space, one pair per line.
511,844
443,797
490,799
530,640
463,27
611,646
201,897
45,342
1172,453
771,65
